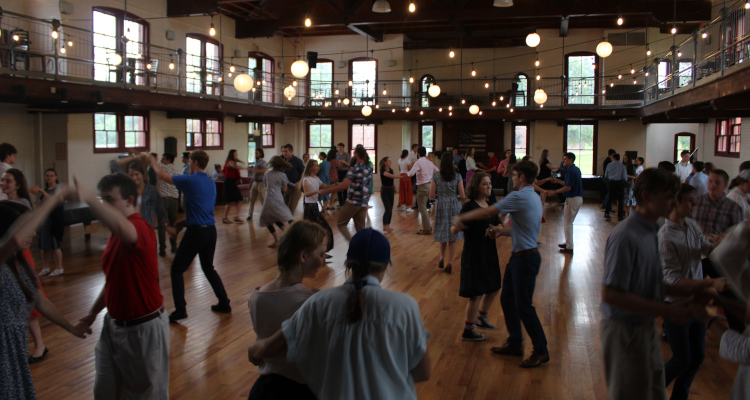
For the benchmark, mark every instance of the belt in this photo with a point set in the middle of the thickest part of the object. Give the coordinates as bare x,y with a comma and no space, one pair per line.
525,253
139,320
200,226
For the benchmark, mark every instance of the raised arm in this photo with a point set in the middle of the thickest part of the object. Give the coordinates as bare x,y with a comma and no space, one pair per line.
111,217
160,172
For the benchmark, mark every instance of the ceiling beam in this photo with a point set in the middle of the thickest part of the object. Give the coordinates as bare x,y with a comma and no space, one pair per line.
661,119
367,32
462,28
705,113
472,43
737,102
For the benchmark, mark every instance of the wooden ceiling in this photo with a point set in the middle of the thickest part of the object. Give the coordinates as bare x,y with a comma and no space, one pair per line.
436,22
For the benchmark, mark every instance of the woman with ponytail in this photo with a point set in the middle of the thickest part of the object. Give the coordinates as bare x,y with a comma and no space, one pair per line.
373,341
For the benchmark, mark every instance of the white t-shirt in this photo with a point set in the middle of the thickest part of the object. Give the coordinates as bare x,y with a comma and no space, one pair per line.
743,199
412,157
638,170
403,165
315,182
683,170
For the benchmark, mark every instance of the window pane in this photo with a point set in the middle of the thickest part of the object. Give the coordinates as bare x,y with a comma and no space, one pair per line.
663,72
251,146
110,122
193,64
522,92
101,140
581,143
521,132
321,80
428,135
105,43
111,139
363,71
581,79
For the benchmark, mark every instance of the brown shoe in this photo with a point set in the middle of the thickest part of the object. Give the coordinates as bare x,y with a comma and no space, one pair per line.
535,360
424,232
448,268
508,350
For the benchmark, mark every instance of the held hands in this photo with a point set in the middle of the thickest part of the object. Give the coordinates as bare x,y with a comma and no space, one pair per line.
35,190
458,224
80,330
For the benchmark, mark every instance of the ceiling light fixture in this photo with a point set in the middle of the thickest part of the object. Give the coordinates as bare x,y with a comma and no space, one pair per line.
620,21
308,21
503,3
212,30
533,39
381,6
473,71
412,6
300,68
411,78
604,48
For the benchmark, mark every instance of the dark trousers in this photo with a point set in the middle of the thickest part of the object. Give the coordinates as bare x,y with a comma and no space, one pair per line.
518,292
170,206
342,194
503,184
688,344
616,192
493,180
272,229
200,241
604,192
387,195
312,214
274,386
736,322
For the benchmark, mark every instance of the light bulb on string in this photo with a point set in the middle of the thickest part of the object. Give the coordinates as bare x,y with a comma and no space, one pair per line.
440,109
679,54
412,6
411,78
70,43
308,21
620,21
486,85
212,29
494,103
231,68
473,72
62,50
451,54
407,109
171,63
704,35
619,75
632,70
674,30
747,5
450,108
55,34
463,101
294,82
648,51
611,84
501,98
421,113
538,77
385,92
350,83
389,102
393,110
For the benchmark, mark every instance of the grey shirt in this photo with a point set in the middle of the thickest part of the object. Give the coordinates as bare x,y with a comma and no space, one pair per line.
632,264
616,171
346,157
260,164
681,246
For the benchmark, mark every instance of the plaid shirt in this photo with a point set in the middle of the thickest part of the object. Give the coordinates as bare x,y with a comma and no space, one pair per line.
166,189
359,190
716,217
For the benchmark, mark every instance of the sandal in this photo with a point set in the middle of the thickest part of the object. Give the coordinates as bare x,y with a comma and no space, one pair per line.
226,221
237,220
56,272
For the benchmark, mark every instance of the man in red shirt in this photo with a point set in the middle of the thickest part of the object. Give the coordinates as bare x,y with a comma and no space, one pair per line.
132,355
492,166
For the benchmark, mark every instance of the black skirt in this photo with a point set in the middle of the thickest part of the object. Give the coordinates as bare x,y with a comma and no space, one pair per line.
231,191
480,265
274,386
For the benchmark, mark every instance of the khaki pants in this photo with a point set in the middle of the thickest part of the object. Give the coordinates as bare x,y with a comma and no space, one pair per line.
423,193
572,205
291,197
133,362
632,361
257,191
348,212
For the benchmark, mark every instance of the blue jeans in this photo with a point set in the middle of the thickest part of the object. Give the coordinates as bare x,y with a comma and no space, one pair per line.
688,344
518,292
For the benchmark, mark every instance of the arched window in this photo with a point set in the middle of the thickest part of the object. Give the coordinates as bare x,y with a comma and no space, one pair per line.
320,84
363,73
424,84
582,82
522,93
663,74
683,141
685,71
261,66
203,64
111,24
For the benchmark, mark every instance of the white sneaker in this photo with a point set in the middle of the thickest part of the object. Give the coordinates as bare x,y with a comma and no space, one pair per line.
56,272
44,272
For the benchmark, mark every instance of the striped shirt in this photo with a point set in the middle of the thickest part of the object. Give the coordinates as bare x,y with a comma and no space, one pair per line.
167,190
715,217
680,247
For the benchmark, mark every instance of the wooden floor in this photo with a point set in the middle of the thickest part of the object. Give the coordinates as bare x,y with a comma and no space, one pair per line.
209,351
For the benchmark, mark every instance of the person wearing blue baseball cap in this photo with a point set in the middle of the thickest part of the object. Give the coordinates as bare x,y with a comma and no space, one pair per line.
372,340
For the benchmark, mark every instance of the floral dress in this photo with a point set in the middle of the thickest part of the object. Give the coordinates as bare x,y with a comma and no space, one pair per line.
448,207
15,375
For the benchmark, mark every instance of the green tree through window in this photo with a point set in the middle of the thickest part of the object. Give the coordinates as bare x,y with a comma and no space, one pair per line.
580,141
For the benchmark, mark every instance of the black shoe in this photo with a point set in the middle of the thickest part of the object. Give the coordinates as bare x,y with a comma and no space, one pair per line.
562,245
249,218
508,350
174,249
163,253
222,308
471,336
607,216
535,360
483,324
612,210
177,315
620,218
33,359
604,207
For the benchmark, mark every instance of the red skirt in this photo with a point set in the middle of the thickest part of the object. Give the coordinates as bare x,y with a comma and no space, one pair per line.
405,191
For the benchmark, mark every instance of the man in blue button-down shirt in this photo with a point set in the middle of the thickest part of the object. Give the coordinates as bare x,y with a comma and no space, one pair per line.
525,211
572,191
616,174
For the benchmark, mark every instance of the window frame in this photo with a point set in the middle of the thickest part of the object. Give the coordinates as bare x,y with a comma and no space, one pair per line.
333,80
272,133
258,76
528,136
595,144
307,135
350,89
189,146
434,134
596,77
121,133
423,95
676,155
204,39
351,124
526,95
729,135
121,48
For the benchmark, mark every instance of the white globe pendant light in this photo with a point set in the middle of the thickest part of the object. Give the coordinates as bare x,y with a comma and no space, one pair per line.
366,111
300,68
540,97
474,109
604,49
114,58
290,91
533,39
243,83
434,91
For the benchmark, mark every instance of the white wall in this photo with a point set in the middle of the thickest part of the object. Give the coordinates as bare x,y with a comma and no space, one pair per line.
20,129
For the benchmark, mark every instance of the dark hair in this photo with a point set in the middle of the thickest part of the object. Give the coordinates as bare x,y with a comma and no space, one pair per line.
653,181
744,165
7,149
472,190
360,270
526,158
322,155
382,163
278,163
666,166
528,169
262,154
361,153
169,156
610,152
616,157
155,155
341,144
23,186
288,146
201,157
305,154
217,166
447,171
404,153
699,166
643,160
490,151
230,156
300,236
570,156
57,180
136,165
509,150
119,180
332,154
682,153
421,151
684,189
512,159
413,145
185,154
721,173
736,181
545,154
8,216
709,167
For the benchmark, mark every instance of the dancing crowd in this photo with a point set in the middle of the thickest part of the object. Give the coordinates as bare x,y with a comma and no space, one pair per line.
679,251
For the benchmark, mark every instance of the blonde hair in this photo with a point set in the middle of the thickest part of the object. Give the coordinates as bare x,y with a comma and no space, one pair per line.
301,236
309,167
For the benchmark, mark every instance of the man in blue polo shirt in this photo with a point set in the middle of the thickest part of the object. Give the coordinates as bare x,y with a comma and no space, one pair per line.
572,190
525,211
200,237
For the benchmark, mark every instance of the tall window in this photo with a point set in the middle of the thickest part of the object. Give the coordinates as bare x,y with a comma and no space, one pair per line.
266,133
203,60
252,145
203,134
520,139
582,83
262,67
580,139
427,136
367,136
321,82
683,141
685,72
522,94
424,86
319,137
115,133
110,24
663,74
728,133
363,72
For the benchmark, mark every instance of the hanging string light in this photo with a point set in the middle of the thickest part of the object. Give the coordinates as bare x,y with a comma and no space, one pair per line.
411,78
620,21
451,54
212,30
308,21
385,92
473,72
412,6
171,62
632,71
